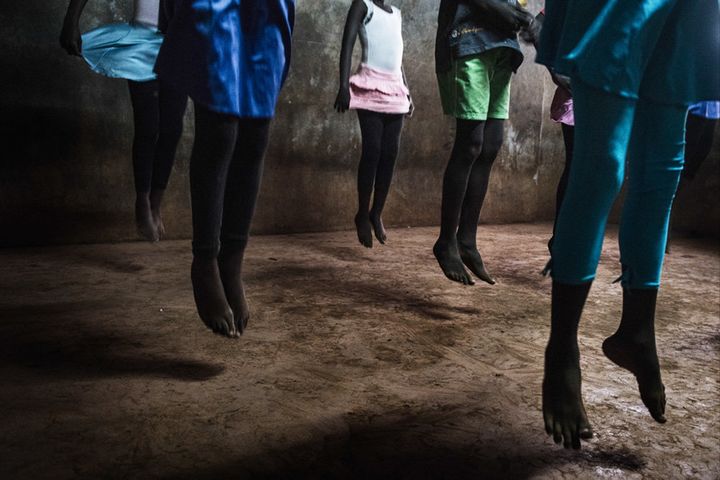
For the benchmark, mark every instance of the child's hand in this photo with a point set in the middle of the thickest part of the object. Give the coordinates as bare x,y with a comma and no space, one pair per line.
531,33
511,17
562,81
70,39
342,102
410,112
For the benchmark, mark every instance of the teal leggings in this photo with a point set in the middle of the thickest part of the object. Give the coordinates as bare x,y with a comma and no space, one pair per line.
608,130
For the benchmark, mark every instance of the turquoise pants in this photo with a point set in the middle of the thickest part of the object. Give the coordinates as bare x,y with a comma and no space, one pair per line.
610,129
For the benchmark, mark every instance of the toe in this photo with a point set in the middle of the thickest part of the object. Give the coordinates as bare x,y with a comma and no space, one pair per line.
567,437
557,432
548,423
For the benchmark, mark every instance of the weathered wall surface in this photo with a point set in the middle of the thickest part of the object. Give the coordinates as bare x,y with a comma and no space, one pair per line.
65,173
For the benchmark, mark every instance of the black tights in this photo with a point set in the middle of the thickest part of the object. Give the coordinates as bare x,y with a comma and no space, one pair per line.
225,173
158,112
568,132
699,133
380,145
465,183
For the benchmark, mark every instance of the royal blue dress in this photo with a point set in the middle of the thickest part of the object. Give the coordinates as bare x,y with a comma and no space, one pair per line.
230,56
667,51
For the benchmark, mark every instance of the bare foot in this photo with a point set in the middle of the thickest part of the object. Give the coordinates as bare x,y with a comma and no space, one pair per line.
155,202
212,306
640,358
144,219
448,257
563,409
472,259
364,229
231,275
378,228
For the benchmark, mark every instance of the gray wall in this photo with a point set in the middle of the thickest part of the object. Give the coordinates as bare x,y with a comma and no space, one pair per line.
65,173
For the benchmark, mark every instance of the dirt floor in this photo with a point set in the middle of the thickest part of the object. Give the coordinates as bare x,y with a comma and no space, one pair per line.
357,364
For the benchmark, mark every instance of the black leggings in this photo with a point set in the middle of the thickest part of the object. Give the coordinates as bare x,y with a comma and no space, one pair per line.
699,133
380,145
158,112
465,183
568,132
225,173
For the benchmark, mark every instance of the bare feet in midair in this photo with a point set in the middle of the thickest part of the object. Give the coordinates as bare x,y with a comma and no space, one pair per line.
364,229
448,257
378,227
212,305
231,275
563,408
144,218
639,356
471,258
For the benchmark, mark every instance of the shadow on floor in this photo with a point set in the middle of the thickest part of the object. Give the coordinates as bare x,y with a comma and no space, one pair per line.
335,281
72,341
416,445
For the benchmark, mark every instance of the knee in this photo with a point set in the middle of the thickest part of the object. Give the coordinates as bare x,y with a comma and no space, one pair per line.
466,151
490,149
371,150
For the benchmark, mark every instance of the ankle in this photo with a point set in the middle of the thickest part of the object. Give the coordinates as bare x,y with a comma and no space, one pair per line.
466,243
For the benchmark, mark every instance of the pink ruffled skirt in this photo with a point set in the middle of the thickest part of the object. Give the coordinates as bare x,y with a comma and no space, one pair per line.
378,91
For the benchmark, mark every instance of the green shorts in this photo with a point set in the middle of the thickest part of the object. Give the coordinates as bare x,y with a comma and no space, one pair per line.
477,87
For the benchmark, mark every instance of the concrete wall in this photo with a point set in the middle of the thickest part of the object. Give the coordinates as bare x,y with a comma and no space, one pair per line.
65,173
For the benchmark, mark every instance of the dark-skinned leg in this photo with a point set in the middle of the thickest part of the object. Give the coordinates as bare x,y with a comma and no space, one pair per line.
144,100
172,110
633,347
468,145
568,132
215,137
655,158
604,123
371,127
392,127
563,409
474,197
243,185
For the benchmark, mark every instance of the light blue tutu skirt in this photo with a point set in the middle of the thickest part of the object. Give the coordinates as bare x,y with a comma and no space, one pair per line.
122,50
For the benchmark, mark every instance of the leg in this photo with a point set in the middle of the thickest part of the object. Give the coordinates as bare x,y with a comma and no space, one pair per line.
243,186
392,127
144,99
371,127
476,190
604,123
699,136
215,136
563,409
656,162
568,132
468,145
172,111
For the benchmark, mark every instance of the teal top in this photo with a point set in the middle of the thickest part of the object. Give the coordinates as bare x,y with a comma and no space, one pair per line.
667,51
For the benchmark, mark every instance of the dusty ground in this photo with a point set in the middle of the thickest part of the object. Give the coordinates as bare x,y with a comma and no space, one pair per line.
364,364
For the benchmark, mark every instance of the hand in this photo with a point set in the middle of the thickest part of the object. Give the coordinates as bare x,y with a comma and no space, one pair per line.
512,18
410,112
70,39
342,102
562,81
531,33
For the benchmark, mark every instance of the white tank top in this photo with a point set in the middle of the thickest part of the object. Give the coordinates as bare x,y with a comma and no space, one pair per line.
147,12
381,39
